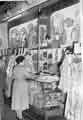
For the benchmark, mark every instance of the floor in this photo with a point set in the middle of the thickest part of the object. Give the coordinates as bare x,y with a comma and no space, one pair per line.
11,115
8,113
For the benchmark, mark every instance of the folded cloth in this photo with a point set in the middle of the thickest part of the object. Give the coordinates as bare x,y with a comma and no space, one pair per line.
48,78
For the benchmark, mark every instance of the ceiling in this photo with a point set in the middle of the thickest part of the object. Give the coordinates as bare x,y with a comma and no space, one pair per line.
8,8
11,8
8,5
4,5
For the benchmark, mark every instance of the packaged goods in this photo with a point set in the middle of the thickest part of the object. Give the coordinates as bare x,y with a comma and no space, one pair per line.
48,99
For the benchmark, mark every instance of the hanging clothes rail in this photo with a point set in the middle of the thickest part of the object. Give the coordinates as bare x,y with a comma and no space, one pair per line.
16,51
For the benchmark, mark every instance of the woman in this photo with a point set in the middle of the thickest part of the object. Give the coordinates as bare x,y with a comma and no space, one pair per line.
20,98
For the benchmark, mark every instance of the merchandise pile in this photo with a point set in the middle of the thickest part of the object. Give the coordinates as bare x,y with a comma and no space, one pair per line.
46,96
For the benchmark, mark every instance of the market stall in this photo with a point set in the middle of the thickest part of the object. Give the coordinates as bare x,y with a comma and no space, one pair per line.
49,35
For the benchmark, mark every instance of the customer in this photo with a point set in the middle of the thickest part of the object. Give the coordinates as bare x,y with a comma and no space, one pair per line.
20,98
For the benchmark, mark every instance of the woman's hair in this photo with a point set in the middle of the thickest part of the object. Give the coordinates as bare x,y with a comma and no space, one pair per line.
19,59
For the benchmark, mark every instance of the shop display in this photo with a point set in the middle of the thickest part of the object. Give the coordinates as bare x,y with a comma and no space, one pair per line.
48,58
44,94
75,33
42,35
57,30
23,38
48,100
66,27
63,30
51,78
24,35
32,35
57,24
14,36
9,72
71,81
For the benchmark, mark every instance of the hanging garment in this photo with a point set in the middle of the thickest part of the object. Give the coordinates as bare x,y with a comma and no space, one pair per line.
73,106
70,82
10,65
65,80
9,75
2,87
28,63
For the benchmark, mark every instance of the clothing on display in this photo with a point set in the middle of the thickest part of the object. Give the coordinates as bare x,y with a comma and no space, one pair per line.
70,82
42,35
2,86
9,71
24,35
44,94
49,99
